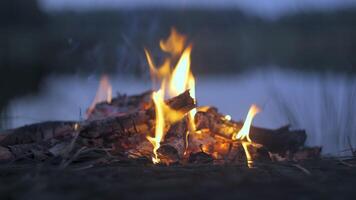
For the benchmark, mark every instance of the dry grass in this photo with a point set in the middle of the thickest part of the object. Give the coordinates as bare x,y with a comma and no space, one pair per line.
334,126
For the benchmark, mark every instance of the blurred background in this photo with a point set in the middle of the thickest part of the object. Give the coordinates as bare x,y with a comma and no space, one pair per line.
295,58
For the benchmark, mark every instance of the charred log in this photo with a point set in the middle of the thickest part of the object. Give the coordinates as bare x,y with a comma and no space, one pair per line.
35,133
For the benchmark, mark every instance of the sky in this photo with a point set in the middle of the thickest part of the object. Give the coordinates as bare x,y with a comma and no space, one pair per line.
263,8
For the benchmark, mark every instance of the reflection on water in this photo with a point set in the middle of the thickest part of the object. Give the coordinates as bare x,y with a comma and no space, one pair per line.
320,104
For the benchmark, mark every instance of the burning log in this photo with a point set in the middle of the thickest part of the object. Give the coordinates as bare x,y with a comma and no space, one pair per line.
137,122
276,141
120,130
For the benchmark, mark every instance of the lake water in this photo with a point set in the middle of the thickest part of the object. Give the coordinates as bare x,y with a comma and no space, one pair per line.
320,104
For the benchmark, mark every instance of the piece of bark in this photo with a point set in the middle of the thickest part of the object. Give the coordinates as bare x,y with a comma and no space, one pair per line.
277,141
121,105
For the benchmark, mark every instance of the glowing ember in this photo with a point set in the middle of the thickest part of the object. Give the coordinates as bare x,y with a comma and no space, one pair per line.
227,117
104,93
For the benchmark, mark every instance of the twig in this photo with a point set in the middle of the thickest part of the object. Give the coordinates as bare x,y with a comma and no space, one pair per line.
350,145
346,163
302,169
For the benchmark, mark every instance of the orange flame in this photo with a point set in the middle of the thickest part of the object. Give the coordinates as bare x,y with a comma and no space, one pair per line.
245,130
163,113
104,93
174,44
158,99
175,82
180,76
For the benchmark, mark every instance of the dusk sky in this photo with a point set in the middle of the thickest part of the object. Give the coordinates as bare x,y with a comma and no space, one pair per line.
270,9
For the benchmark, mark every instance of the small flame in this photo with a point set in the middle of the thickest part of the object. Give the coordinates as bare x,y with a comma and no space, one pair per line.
174,44
104,93
158,100
245,130
160,73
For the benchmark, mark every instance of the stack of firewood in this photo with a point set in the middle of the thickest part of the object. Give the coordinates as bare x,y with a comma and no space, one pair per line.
118,131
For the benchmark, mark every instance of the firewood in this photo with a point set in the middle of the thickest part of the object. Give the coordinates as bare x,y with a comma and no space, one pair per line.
133,123
35,133
200,158
108,131
276,141
122,104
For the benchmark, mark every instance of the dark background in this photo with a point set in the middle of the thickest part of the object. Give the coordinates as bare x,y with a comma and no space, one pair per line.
35,44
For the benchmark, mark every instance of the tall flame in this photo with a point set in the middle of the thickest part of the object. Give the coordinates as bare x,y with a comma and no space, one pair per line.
175,82
180,76
104,93
158,99
191,87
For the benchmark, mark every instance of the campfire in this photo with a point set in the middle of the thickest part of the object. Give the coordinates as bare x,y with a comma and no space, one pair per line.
163,126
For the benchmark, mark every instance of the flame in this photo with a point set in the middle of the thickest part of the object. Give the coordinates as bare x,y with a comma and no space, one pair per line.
181,74
174,44
160,73
158,100
248,155
104,93
245,130
173,83
191,87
